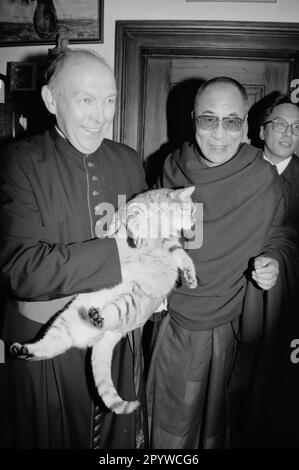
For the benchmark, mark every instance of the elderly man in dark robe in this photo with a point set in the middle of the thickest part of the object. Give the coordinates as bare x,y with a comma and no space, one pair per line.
244,242
51,185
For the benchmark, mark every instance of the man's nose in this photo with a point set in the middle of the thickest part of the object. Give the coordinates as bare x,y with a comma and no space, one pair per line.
218,130
98,112
288,130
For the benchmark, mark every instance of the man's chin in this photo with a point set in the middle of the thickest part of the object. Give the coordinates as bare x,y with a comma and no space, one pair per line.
88,148
218,159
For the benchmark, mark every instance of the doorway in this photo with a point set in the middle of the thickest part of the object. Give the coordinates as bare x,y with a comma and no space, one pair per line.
159,66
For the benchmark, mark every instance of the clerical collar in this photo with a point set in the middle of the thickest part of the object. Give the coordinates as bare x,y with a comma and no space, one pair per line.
281,166
63,143
59,132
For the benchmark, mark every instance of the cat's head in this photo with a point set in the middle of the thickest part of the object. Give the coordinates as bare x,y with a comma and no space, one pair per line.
159,214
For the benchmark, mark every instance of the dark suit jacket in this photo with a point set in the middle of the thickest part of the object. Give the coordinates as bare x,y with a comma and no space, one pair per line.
290,178
275,414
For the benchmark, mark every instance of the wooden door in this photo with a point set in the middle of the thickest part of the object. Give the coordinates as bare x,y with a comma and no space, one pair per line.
160,65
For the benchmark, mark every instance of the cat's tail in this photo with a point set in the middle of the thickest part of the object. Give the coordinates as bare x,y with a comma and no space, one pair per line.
101,359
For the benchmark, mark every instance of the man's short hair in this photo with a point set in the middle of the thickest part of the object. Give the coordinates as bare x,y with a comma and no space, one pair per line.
221,81
270,102
64,58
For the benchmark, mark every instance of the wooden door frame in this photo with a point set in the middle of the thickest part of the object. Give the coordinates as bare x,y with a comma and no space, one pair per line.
136,40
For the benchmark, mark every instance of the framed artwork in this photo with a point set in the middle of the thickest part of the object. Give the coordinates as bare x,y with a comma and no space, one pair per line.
2,80
27,22
21,76
236,1
2,87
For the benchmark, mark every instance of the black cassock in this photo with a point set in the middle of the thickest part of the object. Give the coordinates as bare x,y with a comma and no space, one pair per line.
49,251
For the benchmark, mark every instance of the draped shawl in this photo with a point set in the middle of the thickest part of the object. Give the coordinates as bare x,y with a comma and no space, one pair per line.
243,216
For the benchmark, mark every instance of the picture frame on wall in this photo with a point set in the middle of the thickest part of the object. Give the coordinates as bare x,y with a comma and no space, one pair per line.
21,76
28,22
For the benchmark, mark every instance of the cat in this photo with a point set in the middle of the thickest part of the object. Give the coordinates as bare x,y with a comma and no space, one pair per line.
100,319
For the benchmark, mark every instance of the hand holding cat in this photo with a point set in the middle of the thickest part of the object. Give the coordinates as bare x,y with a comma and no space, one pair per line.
149,273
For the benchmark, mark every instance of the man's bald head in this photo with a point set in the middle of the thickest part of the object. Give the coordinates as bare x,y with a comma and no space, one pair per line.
219,82
68,59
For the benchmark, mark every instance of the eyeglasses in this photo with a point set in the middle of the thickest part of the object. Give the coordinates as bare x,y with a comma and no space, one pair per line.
208,123
280,126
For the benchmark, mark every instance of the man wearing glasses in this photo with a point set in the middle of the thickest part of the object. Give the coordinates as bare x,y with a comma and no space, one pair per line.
277,426
243,243
280,133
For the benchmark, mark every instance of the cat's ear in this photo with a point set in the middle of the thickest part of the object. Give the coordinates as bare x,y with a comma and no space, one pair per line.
182,194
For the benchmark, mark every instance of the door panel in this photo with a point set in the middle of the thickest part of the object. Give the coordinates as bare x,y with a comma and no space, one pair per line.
273,75
155,115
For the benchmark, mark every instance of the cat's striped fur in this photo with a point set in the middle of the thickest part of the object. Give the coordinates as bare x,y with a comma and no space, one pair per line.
100,319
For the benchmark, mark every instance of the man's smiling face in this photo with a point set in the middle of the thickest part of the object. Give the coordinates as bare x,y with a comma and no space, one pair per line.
222,100
279,146
84,97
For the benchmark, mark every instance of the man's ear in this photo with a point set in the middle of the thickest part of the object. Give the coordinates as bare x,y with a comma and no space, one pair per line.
49,99
262,133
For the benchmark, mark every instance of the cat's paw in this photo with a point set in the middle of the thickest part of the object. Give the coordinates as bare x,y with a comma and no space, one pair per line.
125,407
20,351
105,318
191,280
192,284
140,242
95,317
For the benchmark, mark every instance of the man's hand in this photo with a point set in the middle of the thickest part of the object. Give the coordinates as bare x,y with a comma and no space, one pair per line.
265,272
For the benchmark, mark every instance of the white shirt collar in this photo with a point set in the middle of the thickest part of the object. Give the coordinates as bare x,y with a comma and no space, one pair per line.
281,166
59,131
